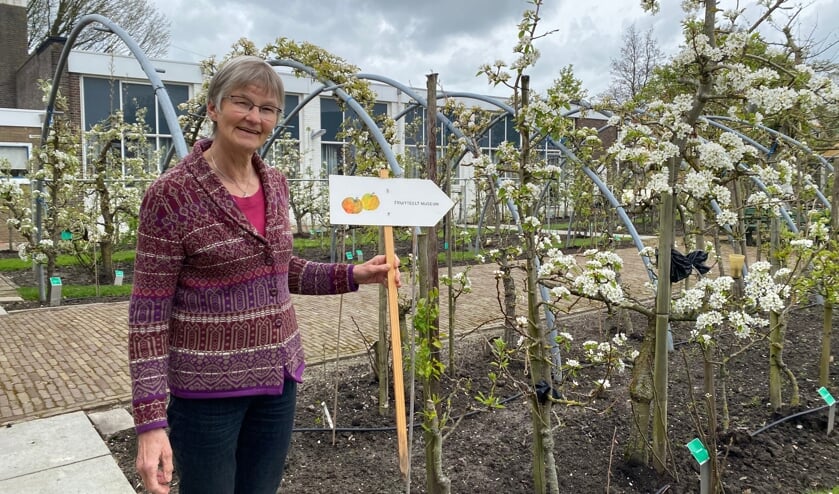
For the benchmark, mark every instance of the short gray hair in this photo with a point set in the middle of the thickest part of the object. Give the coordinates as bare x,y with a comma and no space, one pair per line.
242,71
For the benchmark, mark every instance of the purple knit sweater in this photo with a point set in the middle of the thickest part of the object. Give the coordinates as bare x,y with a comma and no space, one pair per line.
210,313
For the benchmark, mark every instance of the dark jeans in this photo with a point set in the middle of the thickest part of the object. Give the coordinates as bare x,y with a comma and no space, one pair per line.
232,445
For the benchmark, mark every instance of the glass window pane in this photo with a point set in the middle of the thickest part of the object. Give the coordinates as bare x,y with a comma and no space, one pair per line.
332,156
330,118
18,159
293,125
100,100
414,126
136,97
497,133
512,134
164,143
177,95
379,109
484,141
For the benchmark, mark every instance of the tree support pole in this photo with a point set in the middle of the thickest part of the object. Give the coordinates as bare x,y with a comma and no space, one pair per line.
396,348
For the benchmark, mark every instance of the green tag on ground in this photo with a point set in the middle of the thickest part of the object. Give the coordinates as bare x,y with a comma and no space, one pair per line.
826,396
118,273
55,281
349,255
697,449
359,253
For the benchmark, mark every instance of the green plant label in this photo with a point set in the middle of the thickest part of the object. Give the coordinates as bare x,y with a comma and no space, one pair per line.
66,235
55,281
826,396
117,273
359,253
697,449
349,256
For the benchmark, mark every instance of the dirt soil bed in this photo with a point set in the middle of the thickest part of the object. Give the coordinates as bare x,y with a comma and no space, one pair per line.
489,451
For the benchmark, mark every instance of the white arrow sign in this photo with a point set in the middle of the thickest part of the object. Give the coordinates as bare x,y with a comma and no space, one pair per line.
385,202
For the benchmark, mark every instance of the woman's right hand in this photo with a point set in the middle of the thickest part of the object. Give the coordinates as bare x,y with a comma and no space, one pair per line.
154,460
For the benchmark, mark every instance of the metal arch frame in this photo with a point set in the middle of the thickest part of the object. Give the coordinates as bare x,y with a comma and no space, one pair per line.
159,90
711,121
825,202
746,169
588,171
150,71
418,99
352,103
775,133
288,116
543,291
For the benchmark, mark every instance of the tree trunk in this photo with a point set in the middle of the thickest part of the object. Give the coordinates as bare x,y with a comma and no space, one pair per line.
662,323
710,389
106,250
436,480
298,220
641,397
824,360
776,346
437,483
509,285
776,334
544,468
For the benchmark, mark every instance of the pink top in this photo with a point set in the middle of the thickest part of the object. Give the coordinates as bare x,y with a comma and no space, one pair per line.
254,208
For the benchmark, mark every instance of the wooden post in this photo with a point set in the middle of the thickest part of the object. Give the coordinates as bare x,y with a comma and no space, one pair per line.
396,348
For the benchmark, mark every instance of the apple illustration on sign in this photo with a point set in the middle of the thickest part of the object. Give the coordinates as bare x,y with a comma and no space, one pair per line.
354,205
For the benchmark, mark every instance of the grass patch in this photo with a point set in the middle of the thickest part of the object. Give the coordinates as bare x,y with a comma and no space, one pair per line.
79,291
313,242
457,256
18,264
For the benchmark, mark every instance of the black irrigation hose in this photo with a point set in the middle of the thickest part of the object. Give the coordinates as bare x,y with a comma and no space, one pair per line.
393,428
805,412
753,434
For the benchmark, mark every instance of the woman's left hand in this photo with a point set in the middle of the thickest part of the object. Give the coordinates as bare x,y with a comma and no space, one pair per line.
375,271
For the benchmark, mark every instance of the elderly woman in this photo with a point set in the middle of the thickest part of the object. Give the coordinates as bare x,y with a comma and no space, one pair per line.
211,323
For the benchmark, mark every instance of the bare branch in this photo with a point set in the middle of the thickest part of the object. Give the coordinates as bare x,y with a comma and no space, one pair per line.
139,18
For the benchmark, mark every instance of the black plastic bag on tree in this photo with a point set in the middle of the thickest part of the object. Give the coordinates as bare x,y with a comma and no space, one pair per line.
682,265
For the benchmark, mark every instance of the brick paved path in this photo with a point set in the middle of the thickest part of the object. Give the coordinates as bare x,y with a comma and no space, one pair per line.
70,358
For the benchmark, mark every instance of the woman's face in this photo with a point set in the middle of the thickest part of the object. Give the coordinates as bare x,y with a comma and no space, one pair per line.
245,118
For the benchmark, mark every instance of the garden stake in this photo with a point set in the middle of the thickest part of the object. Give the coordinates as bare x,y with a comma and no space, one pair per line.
337,356
337,360
700,454
396,347
831,412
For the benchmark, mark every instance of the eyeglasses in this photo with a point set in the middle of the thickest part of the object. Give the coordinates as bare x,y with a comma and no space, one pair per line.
243,105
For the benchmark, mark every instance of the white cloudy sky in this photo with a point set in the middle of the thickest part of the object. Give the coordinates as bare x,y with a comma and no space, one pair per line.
405,40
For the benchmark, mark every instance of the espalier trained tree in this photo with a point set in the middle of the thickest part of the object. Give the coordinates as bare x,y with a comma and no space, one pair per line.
725,67
308,198
112,189
86,215
54,168
520,173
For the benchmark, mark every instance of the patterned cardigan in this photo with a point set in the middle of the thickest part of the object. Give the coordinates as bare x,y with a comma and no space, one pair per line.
210,314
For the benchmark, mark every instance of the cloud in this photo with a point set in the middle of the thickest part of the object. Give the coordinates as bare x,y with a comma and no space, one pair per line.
407,40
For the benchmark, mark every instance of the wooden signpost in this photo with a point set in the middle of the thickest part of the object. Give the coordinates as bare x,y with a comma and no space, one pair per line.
389,203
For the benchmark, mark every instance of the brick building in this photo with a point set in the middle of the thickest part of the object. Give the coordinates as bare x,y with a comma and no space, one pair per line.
96,84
